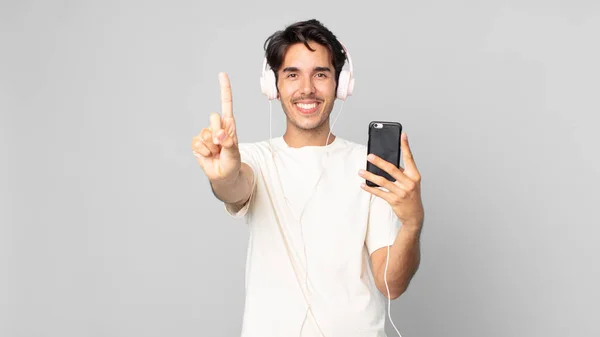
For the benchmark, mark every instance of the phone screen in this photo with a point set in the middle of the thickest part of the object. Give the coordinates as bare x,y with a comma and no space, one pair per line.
384,141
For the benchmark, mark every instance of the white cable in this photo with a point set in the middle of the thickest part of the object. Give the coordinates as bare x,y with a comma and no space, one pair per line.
331,128
302,227
387,260
309,307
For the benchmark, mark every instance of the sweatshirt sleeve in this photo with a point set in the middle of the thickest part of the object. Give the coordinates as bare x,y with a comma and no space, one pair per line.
383,225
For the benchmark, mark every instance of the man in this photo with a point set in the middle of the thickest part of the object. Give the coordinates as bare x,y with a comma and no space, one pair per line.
319,237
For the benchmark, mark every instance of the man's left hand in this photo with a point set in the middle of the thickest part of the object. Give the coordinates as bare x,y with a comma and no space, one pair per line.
404,194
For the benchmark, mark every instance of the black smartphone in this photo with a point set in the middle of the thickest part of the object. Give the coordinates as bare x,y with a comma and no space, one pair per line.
384,141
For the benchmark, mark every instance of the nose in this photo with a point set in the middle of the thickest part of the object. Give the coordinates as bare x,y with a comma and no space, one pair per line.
307,86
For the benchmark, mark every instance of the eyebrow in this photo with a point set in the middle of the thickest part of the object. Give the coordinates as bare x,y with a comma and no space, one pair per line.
291,69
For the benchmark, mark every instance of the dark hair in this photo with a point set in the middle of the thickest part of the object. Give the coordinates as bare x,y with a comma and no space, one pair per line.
278,43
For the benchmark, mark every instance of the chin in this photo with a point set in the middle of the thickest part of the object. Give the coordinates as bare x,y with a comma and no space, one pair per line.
309,124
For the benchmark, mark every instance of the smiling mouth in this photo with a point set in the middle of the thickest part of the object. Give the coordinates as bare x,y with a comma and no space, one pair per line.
307,108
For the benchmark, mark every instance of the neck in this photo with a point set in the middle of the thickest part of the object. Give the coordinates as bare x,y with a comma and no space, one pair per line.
297,138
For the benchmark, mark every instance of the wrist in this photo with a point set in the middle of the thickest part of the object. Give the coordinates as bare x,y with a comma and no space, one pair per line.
413,225
225,182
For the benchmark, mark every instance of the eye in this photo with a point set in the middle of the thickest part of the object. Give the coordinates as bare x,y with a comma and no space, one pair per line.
322,75
291,75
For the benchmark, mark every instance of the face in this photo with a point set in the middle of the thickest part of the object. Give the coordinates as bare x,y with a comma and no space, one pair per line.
306,83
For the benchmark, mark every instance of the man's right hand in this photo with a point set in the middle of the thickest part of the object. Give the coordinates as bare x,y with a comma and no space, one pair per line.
216,147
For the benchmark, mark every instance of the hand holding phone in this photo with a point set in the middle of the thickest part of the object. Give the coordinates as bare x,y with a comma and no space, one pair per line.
401,187
384,142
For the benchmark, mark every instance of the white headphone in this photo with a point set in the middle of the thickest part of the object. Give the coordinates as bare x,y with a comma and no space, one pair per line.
345,83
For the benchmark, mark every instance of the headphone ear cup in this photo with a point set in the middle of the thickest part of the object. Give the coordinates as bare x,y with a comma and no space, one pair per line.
351,85
267,84
345,85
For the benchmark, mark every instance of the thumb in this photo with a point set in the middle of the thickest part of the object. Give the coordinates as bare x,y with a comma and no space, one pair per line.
409,161
226,141
229,134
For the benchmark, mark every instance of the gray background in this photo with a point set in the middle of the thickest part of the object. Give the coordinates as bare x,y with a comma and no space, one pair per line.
109,227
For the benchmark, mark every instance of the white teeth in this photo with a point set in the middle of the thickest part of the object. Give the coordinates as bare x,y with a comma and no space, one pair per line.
306,106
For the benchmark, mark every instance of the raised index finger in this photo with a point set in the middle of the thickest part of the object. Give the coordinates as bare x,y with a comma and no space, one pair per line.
226,99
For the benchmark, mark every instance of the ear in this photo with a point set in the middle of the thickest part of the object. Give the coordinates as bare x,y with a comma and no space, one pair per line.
277,87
